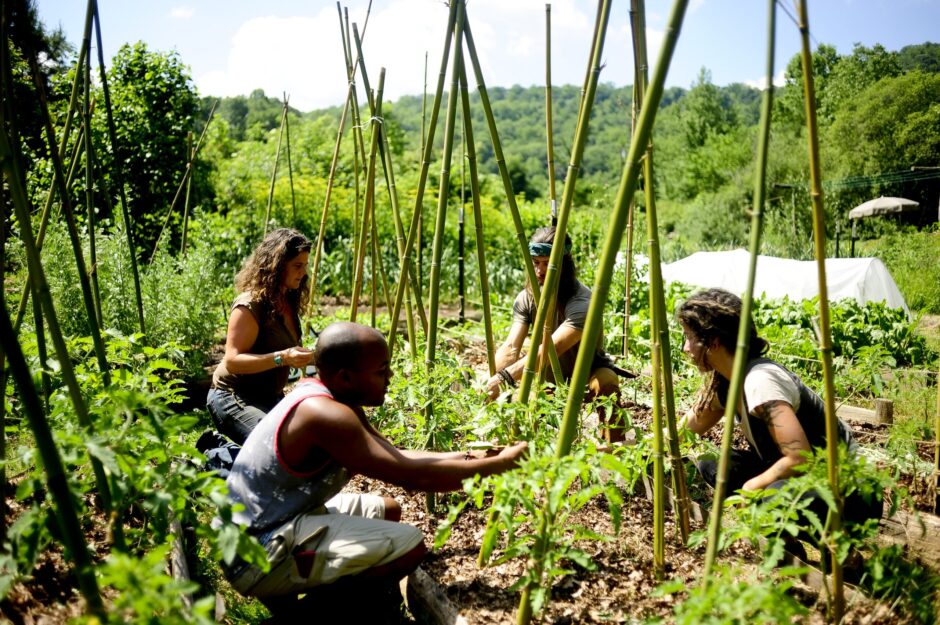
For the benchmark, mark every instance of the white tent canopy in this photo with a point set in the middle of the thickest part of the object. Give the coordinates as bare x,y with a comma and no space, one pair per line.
861,279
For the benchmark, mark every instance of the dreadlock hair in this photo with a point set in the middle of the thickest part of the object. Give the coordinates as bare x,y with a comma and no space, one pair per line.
262,272
567,281
715,314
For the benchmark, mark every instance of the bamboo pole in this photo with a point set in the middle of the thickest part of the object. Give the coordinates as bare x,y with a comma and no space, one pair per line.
277,159
635,100
521,237
3,306
594,323
83,276
424,139
385,154
331,177
661,347
549,132
550,154
422,179
936,451
478,222
366,215
117,171
89,192
37,275
735,390
567,199
837,608
443,194
290,168
461,236
68,520
189,180
44,222
187,173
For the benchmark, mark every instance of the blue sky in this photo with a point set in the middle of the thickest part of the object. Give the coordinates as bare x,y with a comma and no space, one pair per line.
293,46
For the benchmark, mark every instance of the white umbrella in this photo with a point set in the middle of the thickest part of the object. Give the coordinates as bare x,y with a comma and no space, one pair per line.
882,206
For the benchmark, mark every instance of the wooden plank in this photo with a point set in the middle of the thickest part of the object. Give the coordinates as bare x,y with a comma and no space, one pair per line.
427,602
919,533
884,413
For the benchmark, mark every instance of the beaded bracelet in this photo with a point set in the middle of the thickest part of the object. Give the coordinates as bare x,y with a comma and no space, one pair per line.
507,377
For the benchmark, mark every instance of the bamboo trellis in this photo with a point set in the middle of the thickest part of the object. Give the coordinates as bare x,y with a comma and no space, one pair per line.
735,389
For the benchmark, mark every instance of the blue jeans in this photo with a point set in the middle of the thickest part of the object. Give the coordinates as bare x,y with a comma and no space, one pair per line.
232,415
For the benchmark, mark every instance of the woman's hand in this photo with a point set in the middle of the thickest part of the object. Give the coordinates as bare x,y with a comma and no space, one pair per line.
296,357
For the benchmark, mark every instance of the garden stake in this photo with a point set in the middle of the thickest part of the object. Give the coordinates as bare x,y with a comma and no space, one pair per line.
385,153
422,180
635,100
524,614
744,328
567,199
112,136
3,305
366,215
89,192
461,282
549,133
443,194
290,169
837,608
38,276
56,480
359,155
330,179
189,181
660,334
424,106
44,222
277,158
187,173
550,153
936,451
478,221
594,322
83,277
507,187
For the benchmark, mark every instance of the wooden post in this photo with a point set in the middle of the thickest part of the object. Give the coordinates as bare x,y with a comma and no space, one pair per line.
884,411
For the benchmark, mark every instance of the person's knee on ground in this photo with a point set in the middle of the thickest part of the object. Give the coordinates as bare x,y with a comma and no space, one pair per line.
392,509
605,383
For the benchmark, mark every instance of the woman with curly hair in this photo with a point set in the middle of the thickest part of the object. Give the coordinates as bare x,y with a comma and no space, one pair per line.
264,336
781,418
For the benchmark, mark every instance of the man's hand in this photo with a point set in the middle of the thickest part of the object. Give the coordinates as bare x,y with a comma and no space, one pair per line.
514,452
493,387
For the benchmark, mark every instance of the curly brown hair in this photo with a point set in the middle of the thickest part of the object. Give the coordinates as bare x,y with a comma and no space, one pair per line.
715,314
262,272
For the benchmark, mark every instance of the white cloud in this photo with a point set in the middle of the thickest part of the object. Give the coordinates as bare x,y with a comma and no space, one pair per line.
182,13
761,83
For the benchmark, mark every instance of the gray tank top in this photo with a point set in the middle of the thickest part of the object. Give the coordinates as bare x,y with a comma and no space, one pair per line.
272,492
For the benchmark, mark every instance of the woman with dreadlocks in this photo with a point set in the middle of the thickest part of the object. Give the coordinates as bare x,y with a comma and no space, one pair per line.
263,338
572,302
781,418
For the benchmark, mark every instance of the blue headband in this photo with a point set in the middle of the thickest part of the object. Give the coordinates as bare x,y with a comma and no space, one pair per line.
545,249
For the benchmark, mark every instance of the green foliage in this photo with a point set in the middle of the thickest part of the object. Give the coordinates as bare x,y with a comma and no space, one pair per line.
532,507
181,294
736,595
154,476
154,103
913,258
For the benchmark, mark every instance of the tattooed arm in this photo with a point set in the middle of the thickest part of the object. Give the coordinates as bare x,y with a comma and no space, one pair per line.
791,440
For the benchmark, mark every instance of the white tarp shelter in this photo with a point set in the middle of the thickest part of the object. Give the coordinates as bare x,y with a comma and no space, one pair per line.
861,279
